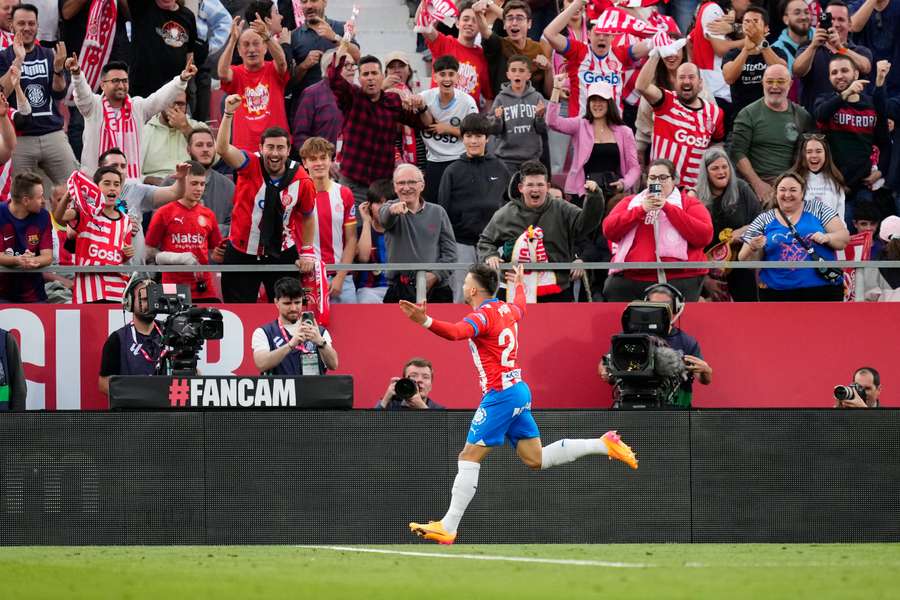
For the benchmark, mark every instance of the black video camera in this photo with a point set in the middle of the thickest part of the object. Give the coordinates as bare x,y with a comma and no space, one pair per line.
185,330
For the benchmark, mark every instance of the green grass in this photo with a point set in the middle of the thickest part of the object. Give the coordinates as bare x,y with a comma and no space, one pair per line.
241,572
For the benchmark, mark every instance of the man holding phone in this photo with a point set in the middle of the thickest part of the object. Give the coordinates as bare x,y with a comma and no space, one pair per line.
293,344
316,35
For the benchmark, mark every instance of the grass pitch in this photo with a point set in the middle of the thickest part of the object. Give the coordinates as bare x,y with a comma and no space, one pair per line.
584,571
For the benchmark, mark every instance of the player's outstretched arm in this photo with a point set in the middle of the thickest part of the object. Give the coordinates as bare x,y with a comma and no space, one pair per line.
518,282
450,331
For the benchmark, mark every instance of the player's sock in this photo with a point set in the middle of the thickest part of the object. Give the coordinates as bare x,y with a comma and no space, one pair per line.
464,487
565,451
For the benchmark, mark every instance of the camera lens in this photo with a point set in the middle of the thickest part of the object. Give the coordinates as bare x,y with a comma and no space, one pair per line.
843,392
405,388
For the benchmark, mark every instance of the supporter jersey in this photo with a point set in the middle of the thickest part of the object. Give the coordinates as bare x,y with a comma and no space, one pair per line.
473,70
584,68
495,346
681,134
298,199
18,236
177,228
263,105
703,54
334,210
100,241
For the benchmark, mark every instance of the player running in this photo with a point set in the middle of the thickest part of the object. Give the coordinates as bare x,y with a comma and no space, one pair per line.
505,409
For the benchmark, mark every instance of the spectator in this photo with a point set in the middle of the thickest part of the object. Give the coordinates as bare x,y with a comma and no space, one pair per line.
371,286
218,194
875,24
114,119
678,340
499,50
162,140
732,206
472,189
562,225
6,26
770,237
260,83
684,124
371,116
811,64
798,30
165,34
743,67
447,107
213,27
603,146
592,62
185,232
336,217
7,132
416,231
868,380
315,36
517,124
317,113
665,225
709,46
274,197
823,180
421,372
765,133
97,212
474,78
399,76
42,142
293,344
850,120
883,284
135,348
27,240
271,24
13,389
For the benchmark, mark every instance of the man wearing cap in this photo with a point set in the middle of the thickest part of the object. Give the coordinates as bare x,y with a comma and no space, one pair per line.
597,61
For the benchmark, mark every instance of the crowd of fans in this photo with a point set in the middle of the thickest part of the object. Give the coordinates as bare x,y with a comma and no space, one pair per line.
590,131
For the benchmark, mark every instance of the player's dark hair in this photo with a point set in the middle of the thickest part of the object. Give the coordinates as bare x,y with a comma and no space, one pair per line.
275,132
418,361
533,167
114,65
444,63
485,277
118,151
876,377
380,190
760,11
369,59
288,287
475,124
23,184
99,173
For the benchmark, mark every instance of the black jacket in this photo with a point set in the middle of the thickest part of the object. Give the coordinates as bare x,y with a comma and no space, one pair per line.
471,191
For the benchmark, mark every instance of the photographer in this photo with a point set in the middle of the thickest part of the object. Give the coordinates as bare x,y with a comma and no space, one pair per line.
864,392
135,348
293,344
679,341
410,392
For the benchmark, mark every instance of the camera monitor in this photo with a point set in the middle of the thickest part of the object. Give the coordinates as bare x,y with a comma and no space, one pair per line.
653,318
168,298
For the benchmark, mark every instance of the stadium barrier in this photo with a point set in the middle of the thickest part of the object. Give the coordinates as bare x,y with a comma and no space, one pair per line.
238,477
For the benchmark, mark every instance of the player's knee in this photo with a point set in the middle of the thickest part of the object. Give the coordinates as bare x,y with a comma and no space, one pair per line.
532,462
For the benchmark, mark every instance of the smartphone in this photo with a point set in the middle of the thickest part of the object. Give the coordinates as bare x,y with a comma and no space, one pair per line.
655,189
825,21
307,316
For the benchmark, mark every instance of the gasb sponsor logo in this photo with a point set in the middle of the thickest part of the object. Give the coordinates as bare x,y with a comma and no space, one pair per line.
203,392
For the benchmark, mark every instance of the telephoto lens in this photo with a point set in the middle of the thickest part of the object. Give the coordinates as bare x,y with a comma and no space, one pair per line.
843,392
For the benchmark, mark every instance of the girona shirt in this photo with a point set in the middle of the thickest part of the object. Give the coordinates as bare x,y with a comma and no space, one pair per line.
334,211
263,105
682,134
298,199
177,228
474,78
584,68
704,56
17,236
495,345
100,241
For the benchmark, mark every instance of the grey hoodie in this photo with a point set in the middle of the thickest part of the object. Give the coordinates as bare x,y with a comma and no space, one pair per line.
517,133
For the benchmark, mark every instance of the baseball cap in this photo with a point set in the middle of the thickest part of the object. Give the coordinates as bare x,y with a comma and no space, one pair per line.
890,228
397,55
600,88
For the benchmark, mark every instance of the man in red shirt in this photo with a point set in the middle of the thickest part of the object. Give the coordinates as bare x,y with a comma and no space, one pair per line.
274,197
259,82
185,233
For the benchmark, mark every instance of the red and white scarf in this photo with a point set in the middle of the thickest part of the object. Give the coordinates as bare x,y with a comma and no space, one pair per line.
432,11
120,130
6,40
84,193
529,248
317,282
98,40
299,17
617,21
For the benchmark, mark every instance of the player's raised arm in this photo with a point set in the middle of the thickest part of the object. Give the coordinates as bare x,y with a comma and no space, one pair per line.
518,282
463,330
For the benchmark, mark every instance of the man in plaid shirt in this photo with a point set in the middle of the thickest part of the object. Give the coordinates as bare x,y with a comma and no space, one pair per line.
370,123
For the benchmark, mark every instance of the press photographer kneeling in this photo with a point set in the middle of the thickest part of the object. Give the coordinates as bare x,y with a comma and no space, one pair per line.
864,392
653,363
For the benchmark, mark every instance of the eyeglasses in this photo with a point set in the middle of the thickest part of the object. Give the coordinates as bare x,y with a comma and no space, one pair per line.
408,183
814,136
658,177
515,18
122,81
350,66
776,81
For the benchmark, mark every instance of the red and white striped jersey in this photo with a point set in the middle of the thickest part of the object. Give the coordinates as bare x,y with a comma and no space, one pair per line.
584,68
334,210
683,134
495,345
100,241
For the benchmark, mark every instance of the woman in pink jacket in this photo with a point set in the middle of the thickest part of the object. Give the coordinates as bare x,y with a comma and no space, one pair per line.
603,147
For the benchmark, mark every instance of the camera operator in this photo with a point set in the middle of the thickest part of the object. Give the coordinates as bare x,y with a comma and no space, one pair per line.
293,344
864,392
678,340
135,348
410,392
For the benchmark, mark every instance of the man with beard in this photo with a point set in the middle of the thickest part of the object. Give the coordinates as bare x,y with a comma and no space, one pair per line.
765,133
162,140
274,197
796,32
684,124
316,35
218,193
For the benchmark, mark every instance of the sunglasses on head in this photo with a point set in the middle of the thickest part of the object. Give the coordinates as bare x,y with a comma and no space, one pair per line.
814,136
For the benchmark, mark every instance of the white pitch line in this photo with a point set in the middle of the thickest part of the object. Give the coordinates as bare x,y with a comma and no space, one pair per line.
525,559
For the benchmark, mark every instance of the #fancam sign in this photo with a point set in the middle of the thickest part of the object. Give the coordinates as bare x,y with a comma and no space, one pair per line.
218,392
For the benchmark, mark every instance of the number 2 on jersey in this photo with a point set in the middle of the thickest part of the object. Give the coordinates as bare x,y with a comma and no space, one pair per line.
508,340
